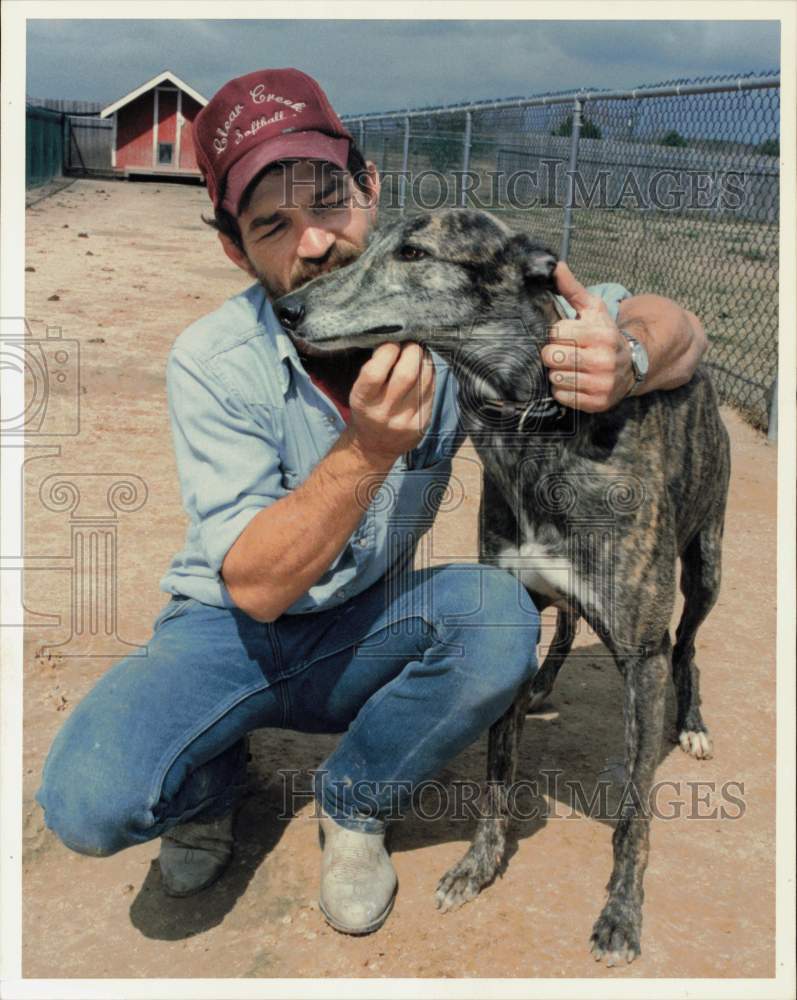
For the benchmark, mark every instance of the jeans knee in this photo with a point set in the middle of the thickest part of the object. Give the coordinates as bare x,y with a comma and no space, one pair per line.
79,825
83,808
491,626
512,663
503,590
500,611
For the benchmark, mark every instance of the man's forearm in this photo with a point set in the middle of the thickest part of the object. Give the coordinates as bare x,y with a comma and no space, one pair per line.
674,339
289,545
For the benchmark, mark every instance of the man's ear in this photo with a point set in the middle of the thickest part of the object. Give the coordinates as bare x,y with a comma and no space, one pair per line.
369,198
236,255
534,261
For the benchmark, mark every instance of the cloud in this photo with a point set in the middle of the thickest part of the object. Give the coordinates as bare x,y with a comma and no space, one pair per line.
388,64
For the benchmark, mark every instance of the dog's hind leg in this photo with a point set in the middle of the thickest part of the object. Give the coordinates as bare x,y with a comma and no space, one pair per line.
700,583
560,647
480,864
616,933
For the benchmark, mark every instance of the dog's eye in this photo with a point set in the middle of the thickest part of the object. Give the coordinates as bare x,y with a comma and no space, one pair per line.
412,253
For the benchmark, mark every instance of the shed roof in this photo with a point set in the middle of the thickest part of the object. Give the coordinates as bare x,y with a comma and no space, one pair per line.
163,77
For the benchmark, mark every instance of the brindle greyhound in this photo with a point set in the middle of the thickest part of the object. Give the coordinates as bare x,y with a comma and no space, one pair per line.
589,511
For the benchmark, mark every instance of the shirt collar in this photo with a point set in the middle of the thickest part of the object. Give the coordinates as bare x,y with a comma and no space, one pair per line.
286,349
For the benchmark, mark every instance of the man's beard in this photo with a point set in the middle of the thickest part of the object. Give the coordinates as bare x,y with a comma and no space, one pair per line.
341,253
338,371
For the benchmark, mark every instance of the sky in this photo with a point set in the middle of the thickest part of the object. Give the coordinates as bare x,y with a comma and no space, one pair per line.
382,65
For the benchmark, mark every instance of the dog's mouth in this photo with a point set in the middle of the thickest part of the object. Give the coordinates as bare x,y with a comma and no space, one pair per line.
381,331
348,344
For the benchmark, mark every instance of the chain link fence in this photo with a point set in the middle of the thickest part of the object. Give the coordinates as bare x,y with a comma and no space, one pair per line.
671,189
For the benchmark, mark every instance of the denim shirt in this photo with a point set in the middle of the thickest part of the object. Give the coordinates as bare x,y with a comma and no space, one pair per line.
249,426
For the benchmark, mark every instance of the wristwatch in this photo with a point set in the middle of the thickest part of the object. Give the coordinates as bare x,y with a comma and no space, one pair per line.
640,363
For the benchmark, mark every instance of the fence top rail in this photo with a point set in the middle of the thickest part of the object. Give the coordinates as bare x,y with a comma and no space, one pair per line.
639,93
60,113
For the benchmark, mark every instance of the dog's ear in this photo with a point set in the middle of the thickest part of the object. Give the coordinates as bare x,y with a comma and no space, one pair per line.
534,261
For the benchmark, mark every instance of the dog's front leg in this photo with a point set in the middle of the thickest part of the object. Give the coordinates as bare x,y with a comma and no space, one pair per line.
616,933
481,863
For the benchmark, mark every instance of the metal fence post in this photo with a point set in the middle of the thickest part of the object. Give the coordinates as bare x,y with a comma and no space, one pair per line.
465,157
567,224
405,160
66,141
772,425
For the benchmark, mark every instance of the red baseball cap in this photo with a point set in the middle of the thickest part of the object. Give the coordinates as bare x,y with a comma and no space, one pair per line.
257,119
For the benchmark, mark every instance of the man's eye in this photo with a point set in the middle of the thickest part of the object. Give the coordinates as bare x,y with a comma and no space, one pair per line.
412,253
326,206
279,226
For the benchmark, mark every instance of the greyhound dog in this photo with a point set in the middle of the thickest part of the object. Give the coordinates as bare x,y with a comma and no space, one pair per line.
590,511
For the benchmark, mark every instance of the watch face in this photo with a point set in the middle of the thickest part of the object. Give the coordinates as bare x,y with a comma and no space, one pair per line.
640,358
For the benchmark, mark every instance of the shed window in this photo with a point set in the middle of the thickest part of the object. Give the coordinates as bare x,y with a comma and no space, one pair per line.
165,150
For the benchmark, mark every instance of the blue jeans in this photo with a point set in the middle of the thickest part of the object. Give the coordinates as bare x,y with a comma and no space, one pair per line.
412,670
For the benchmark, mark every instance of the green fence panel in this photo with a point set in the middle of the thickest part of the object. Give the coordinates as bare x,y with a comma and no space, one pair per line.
44,146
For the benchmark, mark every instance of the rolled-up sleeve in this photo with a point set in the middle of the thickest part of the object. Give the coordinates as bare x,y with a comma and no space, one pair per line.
227,456
610,291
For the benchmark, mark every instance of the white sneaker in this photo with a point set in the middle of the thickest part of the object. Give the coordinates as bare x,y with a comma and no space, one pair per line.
358,881
193,855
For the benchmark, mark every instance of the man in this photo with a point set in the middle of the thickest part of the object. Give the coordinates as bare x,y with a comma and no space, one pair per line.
307,486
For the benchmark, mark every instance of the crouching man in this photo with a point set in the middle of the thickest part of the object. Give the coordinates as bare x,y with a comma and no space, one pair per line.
308,483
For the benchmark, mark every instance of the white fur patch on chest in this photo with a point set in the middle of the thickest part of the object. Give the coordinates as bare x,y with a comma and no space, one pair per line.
546,572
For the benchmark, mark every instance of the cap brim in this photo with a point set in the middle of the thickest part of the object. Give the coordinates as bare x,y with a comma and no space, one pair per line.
294,145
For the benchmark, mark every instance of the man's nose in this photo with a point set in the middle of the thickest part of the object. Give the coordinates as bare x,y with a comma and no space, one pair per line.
290,314
315,242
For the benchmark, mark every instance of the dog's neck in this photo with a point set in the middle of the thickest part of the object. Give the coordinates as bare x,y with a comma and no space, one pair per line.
503,382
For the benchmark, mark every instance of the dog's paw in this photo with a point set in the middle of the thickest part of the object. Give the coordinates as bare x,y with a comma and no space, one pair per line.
696,744
537,699
615,935
464,881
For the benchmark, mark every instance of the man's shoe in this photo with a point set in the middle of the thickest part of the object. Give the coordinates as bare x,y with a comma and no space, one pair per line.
358,881
193,855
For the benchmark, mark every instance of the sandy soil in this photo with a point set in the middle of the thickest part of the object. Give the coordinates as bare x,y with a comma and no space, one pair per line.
144,269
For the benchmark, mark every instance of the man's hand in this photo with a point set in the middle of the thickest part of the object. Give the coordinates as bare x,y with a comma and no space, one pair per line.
289,544
391,401
588,358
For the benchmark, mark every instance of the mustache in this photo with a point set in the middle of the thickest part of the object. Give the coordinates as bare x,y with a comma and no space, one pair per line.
339,256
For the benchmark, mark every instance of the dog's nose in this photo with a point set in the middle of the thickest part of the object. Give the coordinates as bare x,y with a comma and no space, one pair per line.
290,315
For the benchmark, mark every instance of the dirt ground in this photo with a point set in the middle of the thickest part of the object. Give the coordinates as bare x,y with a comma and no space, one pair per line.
132,265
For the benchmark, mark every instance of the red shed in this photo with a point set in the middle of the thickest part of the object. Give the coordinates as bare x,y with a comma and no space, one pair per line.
152,128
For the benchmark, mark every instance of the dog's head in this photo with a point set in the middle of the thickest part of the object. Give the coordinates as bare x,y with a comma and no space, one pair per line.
441,278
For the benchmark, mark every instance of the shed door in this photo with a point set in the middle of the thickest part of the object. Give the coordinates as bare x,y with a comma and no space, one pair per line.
164,151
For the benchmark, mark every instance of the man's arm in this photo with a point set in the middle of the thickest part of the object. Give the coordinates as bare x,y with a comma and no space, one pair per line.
589,360
674,338
287,546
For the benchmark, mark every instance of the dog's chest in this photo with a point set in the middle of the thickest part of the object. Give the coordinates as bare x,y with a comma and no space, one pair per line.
545,567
